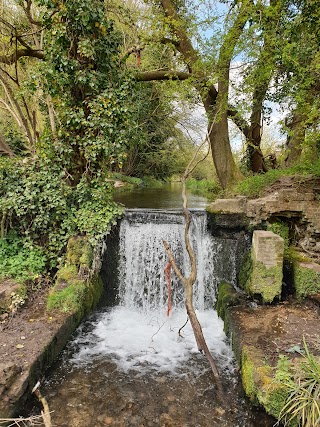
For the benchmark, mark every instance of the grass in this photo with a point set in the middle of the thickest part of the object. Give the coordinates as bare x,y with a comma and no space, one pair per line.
302,406
209,188
253,186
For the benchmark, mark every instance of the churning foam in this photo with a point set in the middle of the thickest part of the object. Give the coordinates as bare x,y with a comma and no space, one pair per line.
140,341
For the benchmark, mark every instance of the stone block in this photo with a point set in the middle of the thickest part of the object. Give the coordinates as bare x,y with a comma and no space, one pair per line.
265,279
237,205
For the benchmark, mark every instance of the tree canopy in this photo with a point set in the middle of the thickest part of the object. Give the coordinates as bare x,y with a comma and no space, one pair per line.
88,88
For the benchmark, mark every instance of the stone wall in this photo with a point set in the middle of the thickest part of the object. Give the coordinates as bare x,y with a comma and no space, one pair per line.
298,206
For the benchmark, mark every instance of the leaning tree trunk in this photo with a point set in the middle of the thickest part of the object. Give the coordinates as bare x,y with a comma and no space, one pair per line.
227,171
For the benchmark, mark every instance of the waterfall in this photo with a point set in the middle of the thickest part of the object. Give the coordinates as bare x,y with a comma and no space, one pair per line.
137,334
143,259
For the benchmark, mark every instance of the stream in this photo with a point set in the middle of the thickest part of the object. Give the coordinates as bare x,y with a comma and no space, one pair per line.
128,364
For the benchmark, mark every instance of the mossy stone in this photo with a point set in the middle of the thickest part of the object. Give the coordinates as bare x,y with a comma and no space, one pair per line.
79,252
227,297
74,291
306,279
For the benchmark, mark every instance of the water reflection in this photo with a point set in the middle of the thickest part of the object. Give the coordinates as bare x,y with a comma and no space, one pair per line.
168,196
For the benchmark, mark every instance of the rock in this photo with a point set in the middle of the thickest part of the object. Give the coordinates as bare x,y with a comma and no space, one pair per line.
306,278
8,374
7,288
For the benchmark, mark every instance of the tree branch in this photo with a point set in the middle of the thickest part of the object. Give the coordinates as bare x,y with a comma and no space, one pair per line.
14,57
148,76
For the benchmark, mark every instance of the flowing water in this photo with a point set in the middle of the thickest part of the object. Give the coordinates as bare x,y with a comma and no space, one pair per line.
129,365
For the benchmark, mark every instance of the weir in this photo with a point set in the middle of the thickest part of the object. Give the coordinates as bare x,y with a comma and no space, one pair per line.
142,259
127,365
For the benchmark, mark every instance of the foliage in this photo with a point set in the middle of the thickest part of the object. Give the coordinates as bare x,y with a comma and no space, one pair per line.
303,390
209,188
20,260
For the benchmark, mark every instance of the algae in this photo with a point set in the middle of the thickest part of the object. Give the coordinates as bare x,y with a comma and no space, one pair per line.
227,297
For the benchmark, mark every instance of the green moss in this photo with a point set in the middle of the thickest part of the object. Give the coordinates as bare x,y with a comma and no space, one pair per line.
68,273
258,280
79,252
68,299
274,399
74,291
245,270
227,297
306,280
248,374
259,382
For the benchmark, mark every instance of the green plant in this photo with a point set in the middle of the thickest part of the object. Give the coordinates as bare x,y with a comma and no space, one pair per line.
302,406
20,259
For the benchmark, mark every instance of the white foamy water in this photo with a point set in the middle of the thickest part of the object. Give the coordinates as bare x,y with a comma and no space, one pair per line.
138,334
140,341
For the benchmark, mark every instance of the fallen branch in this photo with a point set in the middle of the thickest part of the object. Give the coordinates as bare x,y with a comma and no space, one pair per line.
167,273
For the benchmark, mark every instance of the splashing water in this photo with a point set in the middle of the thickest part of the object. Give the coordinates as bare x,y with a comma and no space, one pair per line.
137,334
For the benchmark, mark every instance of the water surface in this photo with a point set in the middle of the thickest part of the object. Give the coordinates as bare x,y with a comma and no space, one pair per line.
168,196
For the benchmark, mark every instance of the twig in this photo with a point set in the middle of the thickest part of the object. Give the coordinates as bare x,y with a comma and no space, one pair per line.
179,332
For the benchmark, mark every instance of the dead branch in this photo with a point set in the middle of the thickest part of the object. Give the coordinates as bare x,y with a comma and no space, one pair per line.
35,420
190,281
46,411
179,332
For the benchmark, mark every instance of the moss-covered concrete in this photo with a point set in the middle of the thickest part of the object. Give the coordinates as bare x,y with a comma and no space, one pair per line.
306,278
258,337
75,290
265,282
47,329
259,383
227,297
261,272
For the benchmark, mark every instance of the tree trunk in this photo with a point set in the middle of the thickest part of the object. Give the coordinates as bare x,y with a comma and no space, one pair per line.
254,140
226,169
295,139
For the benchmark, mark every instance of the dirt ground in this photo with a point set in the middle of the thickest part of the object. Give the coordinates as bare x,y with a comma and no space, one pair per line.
26,348
280,329
22,334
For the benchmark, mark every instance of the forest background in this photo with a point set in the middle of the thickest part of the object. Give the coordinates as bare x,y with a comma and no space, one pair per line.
92,91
